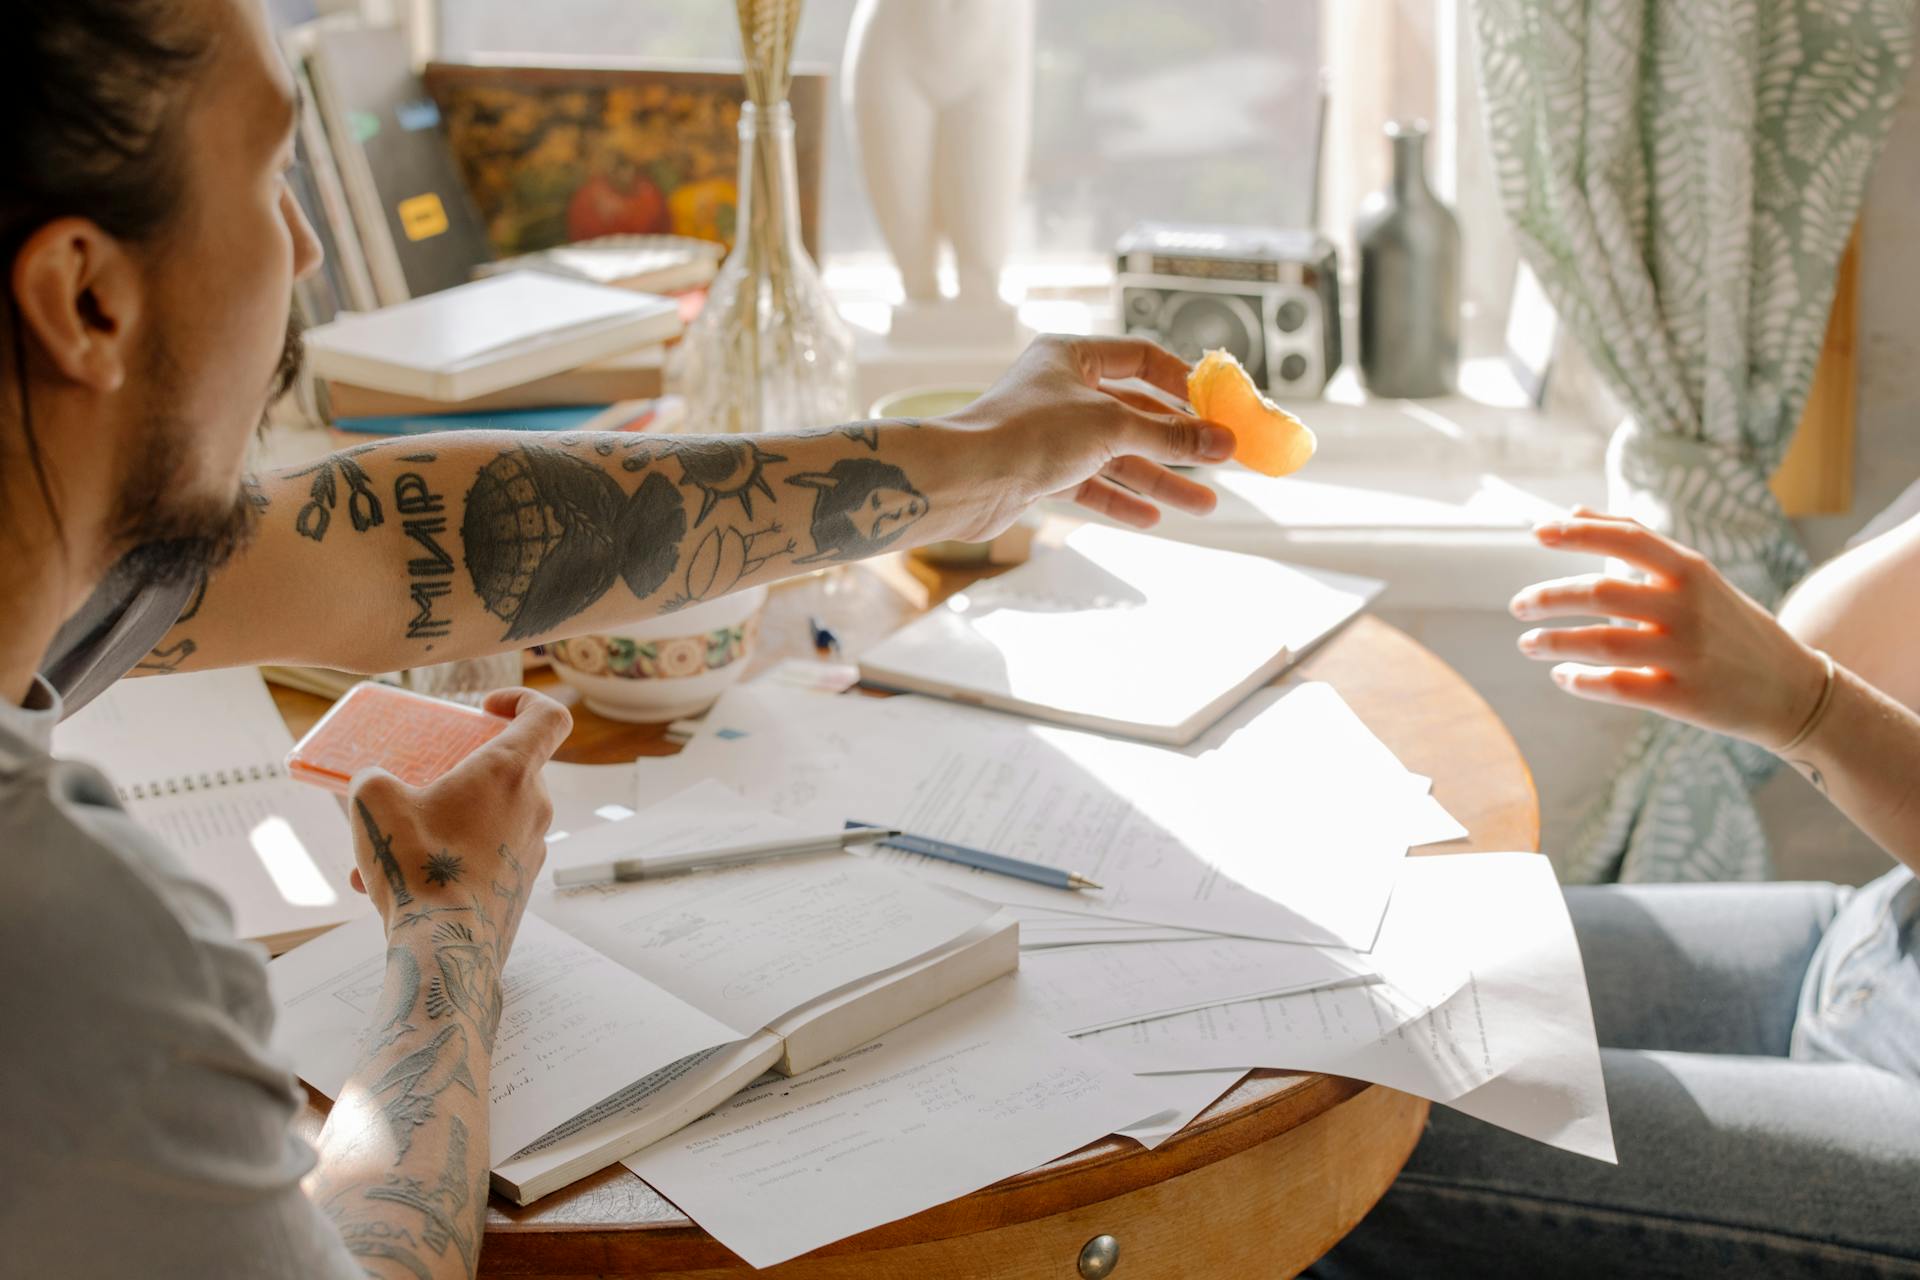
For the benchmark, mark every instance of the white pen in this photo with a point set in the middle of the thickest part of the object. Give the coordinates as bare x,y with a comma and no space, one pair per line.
702,859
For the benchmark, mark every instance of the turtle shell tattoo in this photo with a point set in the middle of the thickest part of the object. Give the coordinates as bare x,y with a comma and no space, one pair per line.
546,535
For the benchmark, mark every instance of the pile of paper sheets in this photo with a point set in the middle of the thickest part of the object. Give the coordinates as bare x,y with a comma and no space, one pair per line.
1258,909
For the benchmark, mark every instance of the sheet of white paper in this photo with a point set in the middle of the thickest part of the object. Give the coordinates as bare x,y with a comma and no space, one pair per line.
1513,1044
1294,836
574,1027
707,815
1040,928
749,943
976,1091
1428,822
585,796
1081,989
1185,1095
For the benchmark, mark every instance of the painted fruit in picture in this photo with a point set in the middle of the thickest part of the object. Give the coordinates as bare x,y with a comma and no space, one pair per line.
554,155
618,203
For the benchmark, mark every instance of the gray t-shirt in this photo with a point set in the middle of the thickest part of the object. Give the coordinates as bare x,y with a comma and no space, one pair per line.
145,1123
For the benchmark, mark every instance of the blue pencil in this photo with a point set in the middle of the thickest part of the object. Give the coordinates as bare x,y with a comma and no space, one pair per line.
980,860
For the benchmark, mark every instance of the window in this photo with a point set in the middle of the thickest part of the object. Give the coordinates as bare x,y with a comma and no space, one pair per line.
1161,109
1142,108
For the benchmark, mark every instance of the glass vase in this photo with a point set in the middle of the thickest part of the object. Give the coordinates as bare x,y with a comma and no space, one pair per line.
768,352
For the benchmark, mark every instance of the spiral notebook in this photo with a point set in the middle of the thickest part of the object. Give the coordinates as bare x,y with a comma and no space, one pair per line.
197,760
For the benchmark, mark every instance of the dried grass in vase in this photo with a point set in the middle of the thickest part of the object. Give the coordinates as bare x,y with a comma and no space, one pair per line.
766,38
769,351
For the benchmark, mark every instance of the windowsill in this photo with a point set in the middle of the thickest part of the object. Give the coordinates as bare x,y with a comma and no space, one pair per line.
1438,497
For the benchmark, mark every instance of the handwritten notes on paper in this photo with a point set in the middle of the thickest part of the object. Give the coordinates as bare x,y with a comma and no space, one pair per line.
1287,822
749,943
576,1028
974,1092
1481,1004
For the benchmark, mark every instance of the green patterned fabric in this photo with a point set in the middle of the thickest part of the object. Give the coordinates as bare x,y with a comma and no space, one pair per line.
1683,176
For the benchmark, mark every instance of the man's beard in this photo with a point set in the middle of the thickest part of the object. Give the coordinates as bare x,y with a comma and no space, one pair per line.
174,540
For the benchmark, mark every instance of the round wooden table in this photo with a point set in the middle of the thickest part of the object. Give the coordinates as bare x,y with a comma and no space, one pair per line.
1261,1184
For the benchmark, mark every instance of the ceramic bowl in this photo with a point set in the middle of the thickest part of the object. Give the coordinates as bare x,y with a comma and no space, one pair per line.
667,668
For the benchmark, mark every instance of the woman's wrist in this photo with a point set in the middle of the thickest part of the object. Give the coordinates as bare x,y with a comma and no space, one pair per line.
1805,689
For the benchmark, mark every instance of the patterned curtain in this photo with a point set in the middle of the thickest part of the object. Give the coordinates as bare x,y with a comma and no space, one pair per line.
1683,176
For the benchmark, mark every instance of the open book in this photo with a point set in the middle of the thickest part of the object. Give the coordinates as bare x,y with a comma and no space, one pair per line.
1120,633
632,1009
197,759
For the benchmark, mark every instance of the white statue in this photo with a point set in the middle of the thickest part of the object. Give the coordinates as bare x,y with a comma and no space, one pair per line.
940,93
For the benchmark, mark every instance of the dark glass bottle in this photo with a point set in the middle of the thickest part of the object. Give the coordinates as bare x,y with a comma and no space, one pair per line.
1409,248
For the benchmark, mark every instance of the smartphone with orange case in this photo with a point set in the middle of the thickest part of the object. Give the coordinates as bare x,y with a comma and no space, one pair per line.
411,736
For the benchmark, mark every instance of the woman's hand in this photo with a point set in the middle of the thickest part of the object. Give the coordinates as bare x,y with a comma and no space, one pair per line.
1686,642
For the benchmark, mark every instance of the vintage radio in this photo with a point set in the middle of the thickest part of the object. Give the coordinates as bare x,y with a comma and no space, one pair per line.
1268,295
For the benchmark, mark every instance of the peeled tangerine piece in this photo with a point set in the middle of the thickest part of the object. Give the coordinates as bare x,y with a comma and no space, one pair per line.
1267,437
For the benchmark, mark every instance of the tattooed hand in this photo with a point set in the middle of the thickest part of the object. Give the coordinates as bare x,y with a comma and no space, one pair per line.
469,842
1052,425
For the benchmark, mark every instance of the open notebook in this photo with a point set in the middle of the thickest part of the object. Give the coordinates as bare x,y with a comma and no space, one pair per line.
197,759
1120,633
633,1009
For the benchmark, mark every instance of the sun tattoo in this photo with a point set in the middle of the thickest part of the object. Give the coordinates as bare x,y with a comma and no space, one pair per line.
722,470
442,867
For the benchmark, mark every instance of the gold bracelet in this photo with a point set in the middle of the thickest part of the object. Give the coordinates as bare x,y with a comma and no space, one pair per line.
1819,711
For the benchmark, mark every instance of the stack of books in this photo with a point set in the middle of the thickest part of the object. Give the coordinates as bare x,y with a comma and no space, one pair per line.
398,342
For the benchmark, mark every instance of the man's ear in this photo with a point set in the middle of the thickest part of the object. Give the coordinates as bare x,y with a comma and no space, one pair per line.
80,293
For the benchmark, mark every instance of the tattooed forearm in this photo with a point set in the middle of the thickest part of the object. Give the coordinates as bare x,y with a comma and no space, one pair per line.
403,976
493,540
323,494
443,1204
723,558
403,1157
546,534
861,508
385,1241
430,570
468,981
408,1089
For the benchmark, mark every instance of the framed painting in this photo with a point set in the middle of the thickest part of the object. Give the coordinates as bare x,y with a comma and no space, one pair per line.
555,152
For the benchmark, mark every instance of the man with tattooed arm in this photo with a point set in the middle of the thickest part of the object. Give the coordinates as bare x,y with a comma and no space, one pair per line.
150,248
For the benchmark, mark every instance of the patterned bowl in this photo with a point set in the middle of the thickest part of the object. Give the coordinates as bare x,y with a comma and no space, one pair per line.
667,668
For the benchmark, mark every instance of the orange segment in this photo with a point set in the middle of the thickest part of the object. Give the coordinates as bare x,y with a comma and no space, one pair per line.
1266,437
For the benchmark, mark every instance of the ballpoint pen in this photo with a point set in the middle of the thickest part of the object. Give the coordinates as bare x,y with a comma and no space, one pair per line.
978,859
643,868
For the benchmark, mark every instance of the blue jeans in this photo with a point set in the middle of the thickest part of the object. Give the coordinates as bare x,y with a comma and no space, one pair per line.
1760,1044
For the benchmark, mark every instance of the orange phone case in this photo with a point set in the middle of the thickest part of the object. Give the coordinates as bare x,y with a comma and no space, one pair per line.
411,736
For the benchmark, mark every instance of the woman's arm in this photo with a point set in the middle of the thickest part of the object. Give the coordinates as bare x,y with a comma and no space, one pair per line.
1689,644
430,548
1861,607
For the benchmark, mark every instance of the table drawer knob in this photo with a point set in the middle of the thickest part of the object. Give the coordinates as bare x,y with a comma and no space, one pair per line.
1099,1257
